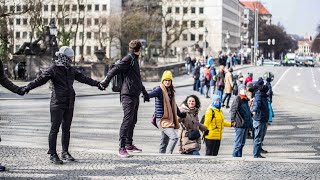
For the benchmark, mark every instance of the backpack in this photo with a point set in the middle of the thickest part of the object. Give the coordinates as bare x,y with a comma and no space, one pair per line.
118,79
203,117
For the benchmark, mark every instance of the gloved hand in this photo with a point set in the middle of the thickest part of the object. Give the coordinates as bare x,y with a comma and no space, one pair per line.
183,114
206,133
105,82
20,91
146,98
101,87
25,89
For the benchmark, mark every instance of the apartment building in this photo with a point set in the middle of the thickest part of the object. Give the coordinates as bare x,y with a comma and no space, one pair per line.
91,17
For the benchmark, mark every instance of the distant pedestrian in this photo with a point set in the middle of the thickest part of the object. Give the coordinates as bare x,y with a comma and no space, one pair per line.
229,61
196,76
62,76
220,81
228,87
249,78
214,121
213,80
240,110
188,64
166,112
188,144
131,89
210,61
202,77
207,79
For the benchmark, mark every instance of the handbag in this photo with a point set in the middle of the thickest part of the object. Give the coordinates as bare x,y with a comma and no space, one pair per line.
194,134
154,121
239,120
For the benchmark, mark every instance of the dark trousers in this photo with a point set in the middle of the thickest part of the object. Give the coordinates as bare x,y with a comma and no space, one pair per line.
60,116
130,105
212,147
227,97
196,85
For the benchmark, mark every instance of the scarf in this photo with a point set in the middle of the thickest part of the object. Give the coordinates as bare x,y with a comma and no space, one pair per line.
194,111
169,118
63,60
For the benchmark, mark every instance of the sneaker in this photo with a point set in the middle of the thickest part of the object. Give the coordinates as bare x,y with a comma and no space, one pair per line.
123,153
133,148
67,156
223,105
55,159
2,168
227,106
264,151
259,156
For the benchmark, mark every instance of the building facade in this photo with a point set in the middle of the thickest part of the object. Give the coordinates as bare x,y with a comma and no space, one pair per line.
85,24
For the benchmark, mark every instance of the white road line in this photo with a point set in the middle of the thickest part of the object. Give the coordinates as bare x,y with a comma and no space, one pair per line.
313,79
296,88
278,82
299,74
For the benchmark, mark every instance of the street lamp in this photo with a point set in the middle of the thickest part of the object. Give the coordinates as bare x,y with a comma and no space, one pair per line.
53,34
241,51
205,42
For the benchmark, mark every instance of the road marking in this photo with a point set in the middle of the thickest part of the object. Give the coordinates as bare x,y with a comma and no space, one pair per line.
278,82
299,74
313,79
296,88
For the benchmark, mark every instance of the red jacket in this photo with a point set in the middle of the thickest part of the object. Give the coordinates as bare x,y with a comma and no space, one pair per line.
248,79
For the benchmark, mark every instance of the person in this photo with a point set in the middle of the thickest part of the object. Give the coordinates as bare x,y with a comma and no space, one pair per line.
240,78
62,76
228,84
207,78
240,105
166,112
202,77
131,89
188,64
214,121
229,61
222,59
248,79
6,83
220,81
190,123
213,80
260,113
210,61
196,76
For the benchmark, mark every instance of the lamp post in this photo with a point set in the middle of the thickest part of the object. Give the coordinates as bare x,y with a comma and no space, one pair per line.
226,40
53,34
205,42
241,51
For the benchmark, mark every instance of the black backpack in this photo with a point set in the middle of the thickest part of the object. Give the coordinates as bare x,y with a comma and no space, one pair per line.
204,117
118,79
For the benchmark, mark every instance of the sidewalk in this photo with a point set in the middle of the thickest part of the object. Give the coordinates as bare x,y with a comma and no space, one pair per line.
43,92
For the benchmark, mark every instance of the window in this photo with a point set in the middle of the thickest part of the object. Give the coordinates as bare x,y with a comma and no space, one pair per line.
104,21
17,35
200,23
59,8
81,49
81,7
5,9
66,21
176,23
96,35
53,8
169,10
11,21
18,8
185,37
201,10
169,23
193,10
88,50
11,8
89,22
45,7
88,35
18,21
81,21
89,7
193,37
24,35
104,35
185,23
185,10
96,21
96,7
177,10
24,7
169,37
74,7
95,48
104,7
193,24
59,21
25,21
17,47
200,37
67,7
74,20
80,35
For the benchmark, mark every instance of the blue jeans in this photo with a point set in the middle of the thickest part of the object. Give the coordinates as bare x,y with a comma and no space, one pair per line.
195,152
188,68
259,132
196,85
239,141
220,93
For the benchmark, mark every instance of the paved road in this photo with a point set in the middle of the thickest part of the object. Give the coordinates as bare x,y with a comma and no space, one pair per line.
292,140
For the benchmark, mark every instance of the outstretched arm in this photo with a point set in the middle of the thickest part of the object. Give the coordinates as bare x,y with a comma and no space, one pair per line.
41,80
85,79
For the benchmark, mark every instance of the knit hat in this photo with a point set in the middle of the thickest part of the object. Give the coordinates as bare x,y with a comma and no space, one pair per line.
215,98
260,81
65,50
166,75
241,86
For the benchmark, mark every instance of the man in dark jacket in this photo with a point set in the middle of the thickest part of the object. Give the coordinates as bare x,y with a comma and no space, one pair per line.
131,89
260,112
62,76
5,82
196,76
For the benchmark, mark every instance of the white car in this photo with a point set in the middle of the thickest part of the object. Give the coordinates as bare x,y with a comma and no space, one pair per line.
268,62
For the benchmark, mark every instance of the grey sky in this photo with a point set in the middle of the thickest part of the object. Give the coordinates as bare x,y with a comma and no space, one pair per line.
297,16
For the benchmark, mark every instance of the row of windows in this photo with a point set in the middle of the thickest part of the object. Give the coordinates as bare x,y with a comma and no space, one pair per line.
53,8
185,10
189,37
24,35
192,24
67,21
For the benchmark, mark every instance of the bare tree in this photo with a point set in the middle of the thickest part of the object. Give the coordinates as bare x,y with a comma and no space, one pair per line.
35,13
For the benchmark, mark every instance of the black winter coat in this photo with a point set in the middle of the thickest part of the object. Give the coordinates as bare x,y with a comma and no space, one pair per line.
62,78
260,106
242,106
5,82
132,85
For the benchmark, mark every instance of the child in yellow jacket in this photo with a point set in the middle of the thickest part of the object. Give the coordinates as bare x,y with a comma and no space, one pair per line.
214,121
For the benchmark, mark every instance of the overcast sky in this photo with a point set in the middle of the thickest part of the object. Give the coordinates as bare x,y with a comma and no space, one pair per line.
297,16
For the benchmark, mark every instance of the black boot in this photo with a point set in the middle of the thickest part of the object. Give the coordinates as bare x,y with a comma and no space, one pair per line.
54,158
67,156
2,168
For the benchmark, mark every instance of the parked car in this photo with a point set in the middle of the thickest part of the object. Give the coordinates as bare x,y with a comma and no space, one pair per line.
309,62
268,62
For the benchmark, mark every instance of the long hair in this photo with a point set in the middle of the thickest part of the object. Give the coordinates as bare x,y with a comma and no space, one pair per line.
198,103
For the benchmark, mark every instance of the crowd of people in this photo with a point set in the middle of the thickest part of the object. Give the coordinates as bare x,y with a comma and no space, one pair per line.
250,109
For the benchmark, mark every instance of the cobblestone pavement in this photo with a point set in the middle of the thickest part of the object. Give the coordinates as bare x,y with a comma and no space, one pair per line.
27,163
